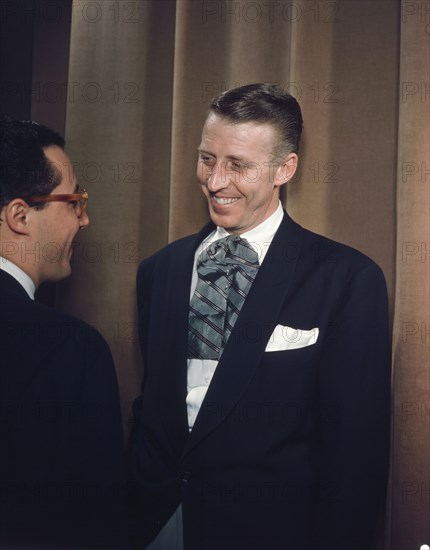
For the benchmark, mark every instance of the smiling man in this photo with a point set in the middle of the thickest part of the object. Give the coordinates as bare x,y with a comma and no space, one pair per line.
61,475
239,174
264,416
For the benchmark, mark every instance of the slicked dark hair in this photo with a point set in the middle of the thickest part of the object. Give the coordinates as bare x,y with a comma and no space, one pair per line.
24,168
266,104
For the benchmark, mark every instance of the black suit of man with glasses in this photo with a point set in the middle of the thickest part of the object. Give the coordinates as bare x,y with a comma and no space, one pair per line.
61,460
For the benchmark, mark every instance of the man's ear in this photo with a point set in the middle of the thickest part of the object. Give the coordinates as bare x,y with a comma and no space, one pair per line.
17,215
286,169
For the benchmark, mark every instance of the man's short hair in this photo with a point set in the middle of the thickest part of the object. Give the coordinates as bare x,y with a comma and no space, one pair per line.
264,103
24,168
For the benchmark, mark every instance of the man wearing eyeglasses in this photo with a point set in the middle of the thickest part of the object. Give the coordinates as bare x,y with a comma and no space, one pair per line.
61,469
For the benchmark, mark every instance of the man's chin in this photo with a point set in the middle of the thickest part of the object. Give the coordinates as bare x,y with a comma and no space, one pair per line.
55,277
224,222
221,220
67,271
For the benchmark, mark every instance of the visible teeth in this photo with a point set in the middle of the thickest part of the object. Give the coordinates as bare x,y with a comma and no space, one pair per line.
222,200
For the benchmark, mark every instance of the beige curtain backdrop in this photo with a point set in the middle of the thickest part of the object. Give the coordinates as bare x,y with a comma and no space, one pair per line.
410,496
141,76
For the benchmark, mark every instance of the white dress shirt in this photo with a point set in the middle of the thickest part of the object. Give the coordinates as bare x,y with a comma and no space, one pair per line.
201,371
18,274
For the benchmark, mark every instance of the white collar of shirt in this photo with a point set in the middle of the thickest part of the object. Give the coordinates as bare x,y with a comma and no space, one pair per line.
19,275
260,238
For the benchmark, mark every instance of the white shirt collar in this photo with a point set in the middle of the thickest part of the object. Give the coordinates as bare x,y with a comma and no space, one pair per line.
19,275
260,237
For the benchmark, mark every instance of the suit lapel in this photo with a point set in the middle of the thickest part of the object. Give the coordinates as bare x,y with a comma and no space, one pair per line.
173,278
252,331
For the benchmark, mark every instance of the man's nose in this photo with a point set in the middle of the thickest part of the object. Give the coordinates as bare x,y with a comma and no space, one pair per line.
84,220
218,177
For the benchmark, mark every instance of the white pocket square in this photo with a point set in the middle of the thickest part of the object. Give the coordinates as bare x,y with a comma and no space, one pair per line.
284,338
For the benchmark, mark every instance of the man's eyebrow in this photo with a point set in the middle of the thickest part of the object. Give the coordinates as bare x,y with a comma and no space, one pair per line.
229,157
233,157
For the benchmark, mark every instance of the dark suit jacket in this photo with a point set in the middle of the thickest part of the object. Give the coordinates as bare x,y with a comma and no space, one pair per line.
290,448
61,459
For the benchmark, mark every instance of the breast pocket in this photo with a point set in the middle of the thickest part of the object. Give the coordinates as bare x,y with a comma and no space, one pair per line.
285,338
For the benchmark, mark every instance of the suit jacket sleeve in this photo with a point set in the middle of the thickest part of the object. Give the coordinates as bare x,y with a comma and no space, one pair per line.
100,444
92,446
354,416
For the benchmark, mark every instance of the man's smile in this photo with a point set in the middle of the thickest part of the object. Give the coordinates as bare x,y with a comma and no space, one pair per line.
223,201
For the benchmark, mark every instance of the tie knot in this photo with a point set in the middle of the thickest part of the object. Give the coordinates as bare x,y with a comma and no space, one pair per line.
230,250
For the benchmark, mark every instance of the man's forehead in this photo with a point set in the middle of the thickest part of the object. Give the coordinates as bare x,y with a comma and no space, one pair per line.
61,162
57,157
215,118
238,134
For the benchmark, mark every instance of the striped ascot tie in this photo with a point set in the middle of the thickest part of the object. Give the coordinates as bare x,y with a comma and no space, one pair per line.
226,271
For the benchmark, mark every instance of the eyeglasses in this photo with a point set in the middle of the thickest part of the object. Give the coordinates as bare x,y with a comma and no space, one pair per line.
79,199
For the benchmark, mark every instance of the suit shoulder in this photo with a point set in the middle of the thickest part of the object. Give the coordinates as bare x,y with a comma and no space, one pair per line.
64,326
343,251
171,249
166,254
58,344
339,258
